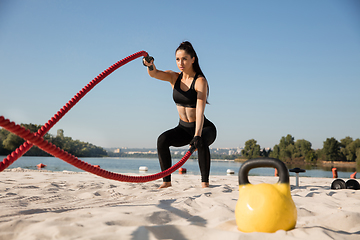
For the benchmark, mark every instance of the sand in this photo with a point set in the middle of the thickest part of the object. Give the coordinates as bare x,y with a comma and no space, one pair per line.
67,205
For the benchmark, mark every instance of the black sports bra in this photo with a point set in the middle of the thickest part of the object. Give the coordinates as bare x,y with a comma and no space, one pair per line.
185,98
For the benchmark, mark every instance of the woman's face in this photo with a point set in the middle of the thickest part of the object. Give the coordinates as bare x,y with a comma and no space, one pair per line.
184,61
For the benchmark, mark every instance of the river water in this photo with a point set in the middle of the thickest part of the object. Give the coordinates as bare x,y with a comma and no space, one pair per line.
131,166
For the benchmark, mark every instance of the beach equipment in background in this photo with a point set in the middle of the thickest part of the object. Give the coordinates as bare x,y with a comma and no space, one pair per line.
352,184
353,176
334,172
40,165
349,184
265,207
182,170
37,138
143,169
338,184
297,171
230,171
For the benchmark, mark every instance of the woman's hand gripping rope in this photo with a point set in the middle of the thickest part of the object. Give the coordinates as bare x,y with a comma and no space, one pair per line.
196,142
149,60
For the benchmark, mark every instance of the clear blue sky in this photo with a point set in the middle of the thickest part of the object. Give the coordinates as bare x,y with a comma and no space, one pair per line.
274,67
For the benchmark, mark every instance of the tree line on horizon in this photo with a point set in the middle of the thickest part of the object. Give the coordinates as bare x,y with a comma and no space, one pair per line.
9,142
289,150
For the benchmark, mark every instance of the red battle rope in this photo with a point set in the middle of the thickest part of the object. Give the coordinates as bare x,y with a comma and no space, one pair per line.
59,153
36,138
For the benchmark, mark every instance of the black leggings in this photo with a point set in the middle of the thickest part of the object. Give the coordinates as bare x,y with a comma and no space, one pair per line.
181,136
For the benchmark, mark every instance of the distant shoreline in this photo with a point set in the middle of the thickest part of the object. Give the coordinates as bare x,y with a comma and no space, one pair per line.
339,163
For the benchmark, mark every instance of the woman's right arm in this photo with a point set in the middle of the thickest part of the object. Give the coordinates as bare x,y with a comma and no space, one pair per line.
168,76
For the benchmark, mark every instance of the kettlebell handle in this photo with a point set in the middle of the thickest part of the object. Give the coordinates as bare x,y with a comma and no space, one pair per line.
263,162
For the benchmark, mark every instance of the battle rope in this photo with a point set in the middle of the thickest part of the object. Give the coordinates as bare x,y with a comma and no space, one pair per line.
42,131
36,138
59,153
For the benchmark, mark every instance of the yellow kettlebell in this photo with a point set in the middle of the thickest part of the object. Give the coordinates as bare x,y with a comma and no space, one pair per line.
265,207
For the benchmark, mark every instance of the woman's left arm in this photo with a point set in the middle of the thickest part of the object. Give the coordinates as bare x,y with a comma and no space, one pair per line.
201,89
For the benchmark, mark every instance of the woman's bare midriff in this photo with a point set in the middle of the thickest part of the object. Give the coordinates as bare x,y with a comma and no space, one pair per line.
187,114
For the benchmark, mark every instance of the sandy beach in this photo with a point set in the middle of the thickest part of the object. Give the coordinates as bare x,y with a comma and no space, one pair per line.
67,205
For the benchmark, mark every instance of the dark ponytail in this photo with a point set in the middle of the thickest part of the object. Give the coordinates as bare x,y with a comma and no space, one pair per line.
188,48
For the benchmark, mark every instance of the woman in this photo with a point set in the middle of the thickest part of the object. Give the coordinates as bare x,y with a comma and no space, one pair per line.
190,92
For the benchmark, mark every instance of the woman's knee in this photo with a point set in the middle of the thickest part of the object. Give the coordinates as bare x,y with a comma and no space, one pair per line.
209,136
163,140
